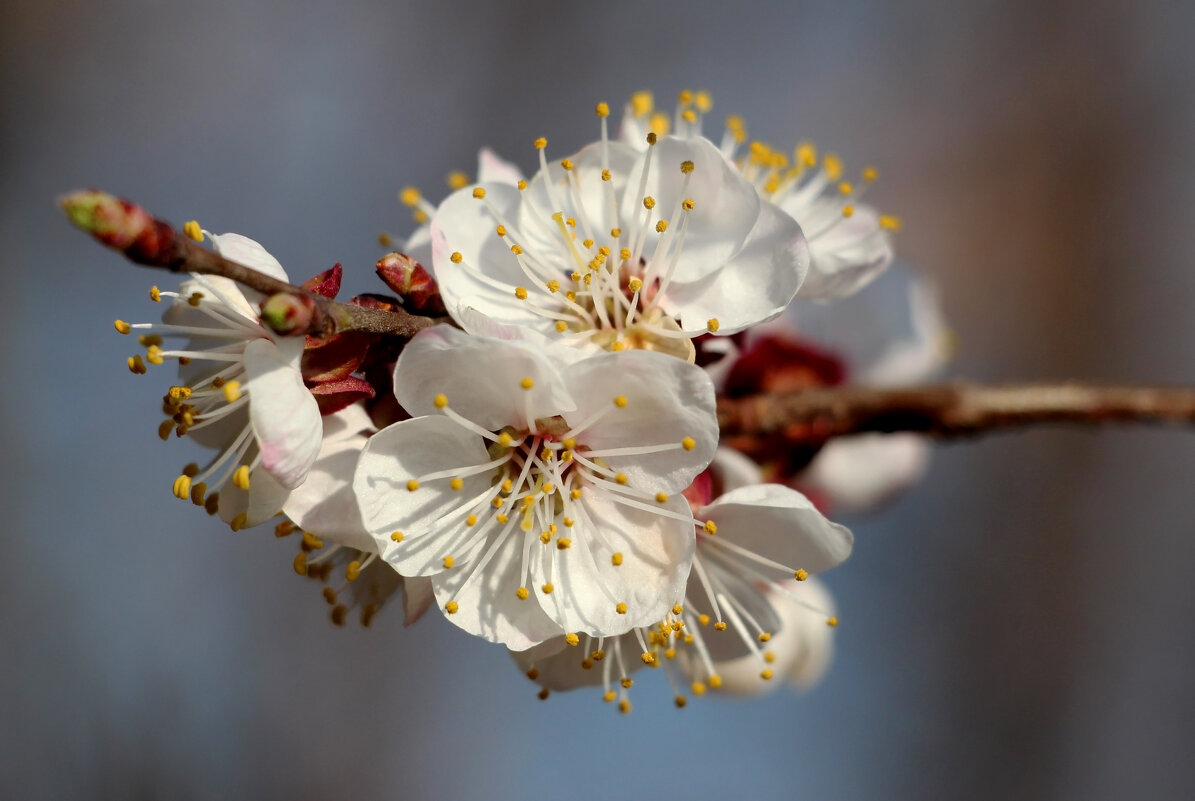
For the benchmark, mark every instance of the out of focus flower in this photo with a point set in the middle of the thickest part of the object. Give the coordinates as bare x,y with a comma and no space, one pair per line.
612,248
749,613
540,494
240,392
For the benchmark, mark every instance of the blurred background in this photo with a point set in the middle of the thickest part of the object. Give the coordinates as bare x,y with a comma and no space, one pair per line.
1018,626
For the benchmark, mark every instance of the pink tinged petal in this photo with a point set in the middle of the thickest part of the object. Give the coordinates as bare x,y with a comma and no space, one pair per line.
407,451
667,401
657,553
347,422
244,250
756,285
325,504
780,524
493,169
417,598
726,204
860,473
487,605
848,256
283,413
464,225
482,379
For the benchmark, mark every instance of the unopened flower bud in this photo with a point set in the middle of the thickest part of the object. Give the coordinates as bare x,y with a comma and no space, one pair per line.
121,225
408,278
326,283
288,313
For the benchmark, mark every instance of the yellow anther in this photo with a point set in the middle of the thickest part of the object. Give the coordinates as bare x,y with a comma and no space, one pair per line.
182,487
211,504
150,339
649,202
155,294
527,382
409,196
533,674
547,588
588,243
497,503
766,674
285,529
123,327
471,520
164,429
420,216
606,175
522,594
685,97
180,393
845,188
569,442
412,485
396,536
456,484
806,154
688,443
703,101
624,253
617,345
191,229
620,401
457,180
769,657
575,494
545,537
711,527
456,257
501,518
352,570
801,575
505,440
609,696
198,491
440,401
479,192
568,522
670,653
561,326
571,638
232,390
621,608
848,211
567,164
890,223
451,607
680,700
540,143
153,355
832,622
602,110
832,166
720,625
501,230
764,636
240,479
689,115
522,184
621,478
385,240
563,544
870,174
677,609
616,559
688,204
553,286
635,284
686,166
449,562
624,706
712,325
648,658
300,563
329,595
311,542
661,226
642,103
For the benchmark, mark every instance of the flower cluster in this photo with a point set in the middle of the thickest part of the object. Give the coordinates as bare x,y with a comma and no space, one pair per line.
545,467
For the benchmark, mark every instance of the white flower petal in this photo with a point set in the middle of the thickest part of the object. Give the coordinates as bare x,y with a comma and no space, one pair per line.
259,503
405,451
481,377
848,256
756,284
487,605
417,598
726,204
325,504
249,253
588,587
734,470
862,472
283,412
493,169
667,401
780,524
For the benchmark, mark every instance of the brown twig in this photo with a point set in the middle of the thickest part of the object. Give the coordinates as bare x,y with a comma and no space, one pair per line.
291,310
949,410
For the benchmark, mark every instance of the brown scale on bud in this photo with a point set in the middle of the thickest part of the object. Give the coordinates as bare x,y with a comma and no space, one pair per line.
407,277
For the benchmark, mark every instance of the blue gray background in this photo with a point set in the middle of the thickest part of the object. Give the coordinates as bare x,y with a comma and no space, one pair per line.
1019,626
